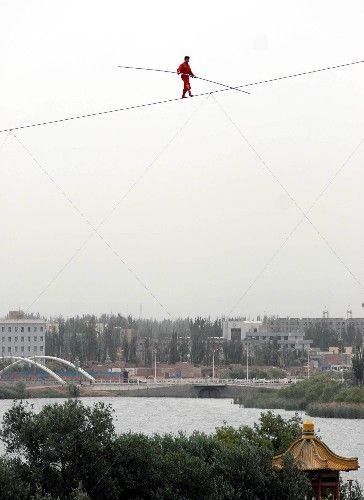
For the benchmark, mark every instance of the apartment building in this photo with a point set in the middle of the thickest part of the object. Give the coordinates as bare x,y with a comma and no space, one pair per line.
20,336
339,325
294,340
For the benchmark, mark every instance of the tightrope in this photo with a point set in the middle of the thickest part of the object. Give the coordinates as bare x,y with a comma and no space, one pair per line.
165,101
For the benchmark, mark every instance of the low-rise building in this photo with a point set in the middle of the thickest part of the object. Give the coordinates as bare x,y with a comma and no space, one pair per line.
236,330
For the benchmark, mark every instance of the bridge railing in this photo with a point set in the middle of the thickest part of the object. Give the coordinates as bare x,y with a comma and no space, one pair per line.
193,381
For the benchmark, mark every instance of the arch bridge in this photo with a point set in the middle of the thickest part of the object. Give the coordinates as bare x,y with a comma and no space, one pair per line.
17,360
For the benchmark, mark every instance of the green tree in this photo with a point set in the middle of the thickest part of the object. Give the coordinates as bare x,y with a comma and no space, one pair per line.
358,365
198,340
173,349
61,445
272,432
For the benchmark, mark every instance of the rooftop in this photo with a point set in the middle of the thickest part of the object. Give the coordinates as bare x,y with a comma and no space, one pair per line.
311,454
23,321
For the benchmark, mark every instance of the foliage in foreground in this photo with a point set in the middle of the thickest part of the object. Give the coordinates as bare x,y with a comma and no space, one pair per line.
71,451
273,432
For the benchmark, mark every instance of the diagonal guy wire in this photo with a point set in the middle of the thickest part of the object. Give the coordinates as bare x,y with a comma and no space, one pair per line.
279,248
4,141
304,213
95,229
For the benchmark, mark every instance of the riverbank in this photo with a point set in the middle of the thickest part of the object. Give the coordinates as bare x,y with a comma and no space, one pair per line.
198,388
125,390
320,396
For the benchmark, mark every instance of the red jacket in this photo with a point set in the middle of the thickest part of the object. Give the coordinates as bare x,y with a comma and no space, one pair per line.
185,69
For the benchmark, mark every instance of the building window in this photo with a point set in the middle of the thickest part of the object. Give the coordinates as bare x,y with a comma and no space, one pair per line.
9,350
3,349
41,339
21,339
35,328
9,339
41,348
3,339
28,339
16,339
9,328
3,328
28,347
22,348
35,338
35,348
22,328
16,348
16,328
41,328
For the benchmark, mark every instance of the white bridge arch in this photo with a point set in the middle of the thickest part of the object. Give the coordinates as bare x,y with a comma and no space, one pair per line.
32,361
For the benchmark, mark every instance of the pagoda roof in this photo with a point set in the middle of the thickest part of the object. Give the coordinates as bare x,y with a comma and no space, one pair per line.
310,454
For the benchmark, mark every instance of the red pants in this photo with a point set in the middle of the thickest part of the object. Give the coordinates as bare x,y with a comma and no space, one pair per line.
186,83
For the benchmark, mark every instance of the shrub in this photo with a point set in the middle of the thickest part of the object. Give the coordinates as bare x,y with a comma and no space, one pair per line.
73,391
335,411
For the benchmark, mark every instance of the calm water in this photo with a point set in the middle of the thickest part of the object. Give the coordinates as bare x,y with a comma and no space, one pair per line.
162,415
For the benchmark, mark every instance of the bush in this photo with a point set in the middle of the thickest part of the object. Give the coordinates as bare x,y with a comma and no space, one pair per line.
335,411
239,372
16,391
320,396
73,391
70,451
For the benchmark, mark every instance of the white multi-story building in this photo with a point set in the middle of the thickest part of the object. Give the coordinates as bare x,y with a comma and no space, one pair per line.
20,336
294,340
239,329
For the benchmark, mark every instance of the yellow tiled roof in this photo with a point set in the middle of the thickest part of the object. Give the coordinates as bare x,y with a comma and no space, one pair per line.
310,453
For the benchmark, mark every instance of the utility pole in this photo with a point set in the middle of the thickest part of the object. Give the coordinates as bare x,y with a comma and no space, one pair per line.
308,361
155,365
247,361
213,364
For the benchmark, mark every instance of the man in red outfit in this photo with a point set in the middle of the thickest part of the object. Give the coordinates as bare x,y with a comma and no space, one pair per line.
185,71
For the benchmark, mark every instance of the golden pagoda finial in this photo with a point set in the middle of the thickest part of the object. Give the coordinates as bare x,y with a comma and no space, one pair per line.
308,429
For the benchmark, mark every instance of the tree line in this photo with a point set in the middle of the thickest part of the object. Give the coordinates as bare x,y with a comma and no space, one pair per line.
71,451
137,341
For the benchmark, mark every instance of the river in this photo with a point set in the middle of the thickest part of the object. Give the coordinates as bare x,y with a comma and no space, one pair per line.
170,415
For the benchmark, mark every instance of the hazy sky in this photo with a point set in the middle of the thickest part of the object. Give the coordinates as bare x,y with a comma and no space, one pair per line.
204,220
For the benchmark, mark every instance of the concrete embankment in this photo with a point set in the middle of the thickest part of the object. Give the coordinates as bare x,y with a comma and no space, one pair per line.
145,391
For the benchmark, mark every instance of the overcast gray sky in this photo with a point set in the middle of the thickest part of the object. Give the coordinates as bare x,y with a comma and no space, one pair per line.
205,219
